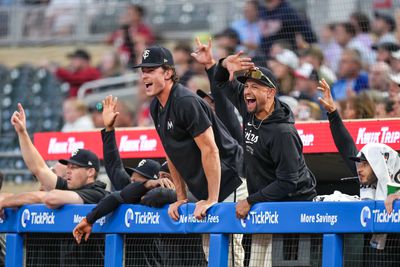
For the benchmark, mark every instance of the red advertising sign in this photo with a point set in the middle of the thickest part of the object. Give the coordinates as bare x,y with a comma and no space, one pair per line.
144,143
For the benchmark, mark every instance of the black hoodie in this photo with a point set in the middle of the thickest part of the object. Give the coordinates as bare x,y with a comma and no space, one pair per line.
275,166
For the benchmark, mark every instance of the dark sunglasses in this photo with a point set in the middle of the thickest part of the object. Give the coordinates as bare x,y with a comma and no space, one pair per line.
257,74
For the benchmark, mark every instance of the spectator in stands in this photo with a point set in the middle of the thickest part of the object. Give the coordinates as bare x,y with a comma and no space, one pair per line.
378,77
283,66
383,27
279,21
315,57
110,65
96,116
362,25
268,125
331,49
196,153
126,117
228,39
394,86
198,81
395,61
80,185
345,36
248,28
384,51
307,111
79,71
375,165
183,60
75,115
360,106
132,30
351,78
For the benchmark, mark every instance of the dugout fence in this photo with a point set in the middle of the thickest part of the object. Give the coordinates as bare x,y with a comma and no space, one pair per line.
303,234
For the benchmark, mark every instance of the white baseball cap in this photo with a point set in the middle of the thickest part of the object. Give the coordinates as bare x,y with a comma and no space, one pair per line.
288,58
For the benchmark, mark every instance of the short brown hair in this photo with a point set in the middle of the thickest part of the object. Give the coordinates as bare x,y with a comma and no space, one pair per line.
174,77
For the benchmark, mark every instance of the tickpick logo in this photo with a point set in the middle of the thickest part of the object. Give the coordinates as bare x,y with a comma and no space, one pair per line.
128,217
26,216
243,221
365,215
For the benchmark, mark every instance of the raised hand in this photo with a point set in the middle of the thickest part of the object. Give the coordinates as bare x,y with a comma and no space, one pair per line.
203,53
109,112
327,101
18,119
83,229
234,63
201,208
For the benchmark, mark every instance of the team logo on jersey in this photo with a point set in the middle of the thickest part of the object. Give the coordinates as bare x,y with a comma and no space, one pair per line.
170,125
146,53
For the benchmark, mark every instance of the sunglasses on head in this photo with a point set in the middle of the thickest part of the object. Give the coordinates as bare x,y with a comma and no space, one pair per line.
257,74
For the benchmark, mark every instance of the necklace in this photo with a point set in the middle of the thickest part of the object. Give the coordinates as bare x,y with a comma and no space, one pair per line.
261,121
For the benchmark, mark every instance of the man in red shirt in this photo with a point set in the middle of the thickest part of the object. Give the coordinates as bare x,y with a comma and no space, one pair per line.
79,72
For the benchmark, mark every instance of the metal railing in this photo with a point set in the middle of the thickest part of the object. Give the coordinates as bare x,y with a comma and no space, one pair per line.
331,219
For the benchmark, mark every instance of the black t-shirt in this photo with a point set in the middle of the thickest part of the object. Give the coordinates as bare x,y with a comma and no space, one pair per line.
91,193
184,117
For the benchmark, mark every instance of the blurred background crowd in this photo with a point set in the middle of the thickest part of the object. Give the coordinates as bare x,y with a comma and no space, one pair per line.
60,57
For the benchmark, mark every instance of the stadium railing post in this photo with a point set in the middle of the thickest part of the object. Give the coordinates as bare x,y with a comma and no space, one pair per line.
14,250
332,250
114,250
219,245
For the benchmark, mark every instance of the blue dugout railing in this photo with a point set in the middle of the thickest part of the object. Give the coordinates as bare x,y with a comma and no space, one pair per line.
332,219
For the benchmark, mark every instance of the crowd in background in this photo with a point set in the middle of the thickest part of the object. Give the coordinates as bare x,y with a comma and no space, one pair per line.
359,58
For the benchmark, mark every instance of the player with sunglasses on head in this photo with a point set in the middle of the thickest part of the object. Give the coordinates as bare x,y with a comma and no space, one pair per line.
274,161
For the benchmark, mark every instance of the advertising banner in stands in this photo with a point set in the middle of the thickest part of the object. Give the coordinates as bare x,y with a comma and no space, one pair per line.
305,217
144,143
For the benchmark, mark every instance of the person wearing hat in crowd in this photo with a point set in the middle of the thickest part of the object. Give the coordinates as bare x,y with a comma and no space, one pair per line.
375,165
79,71
383,26
78,187
272,173
283,66
384,51
200,151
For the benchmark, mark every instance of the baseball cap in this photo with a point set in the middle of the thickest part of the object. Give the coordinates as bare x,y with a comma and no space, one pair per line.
79,53
147,167
288,58
395,78
203,94
387,18
83,158
360,157
164,167
396,54
307,71
389,46
261,74
155,56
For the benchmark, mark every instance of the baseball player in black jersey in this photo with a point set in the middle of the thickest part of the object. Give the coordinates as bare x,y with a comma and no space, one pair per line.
274,162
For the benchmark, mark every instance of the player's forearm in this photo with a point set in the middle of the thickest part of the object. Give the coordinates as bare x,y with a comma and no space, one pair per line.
31,156
212,169
180,186
23,199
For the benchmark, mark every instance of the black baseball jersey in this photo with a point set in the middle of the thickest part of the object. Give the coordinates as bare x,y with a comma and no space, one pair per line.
91,193
184,117
274,163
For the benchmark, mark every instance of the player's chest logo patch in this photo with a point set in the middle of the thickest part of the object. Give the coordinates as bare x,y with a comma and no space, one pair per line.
170,125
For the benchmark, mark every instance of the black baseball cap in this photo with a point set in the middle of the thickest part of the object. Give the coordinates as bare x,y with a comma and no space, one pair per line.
359,158
164,167
387,18
79,53
388,46
203,94
156,56
147,167
266,77
83,158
